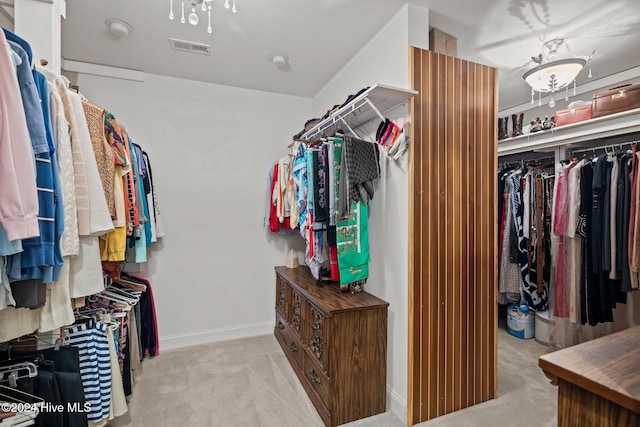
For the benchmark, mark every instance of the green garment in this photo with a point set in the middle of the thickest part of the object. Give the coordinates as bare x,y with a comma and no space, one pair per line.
353,245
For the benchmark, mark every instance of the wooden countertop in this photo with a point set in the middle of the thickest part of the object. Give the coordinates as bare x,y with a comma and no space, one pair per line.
328,294
608,367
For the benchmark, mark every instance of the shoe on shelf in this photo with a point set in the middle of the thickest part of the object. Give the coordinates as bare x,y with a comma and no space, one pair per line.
503,128
536,125
517,124
549,122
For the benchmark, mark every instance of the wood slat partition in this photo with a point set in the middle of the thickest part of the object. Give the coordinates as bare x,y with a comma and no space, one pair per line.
452,235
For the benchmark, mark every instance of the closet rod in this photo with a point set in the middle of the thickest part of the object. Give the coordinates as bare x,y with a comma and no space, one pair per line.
522,162
601,147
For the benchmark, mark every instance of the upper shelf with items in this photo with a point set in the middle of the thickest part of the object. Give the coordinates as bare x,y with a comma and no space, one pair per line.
375,101
601,127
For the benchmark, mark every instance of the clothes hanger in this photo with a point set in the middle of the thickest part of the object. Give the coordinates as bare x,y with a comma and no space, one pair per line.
119,297
96,313
114,304
131,284
127,292
17,371
18,396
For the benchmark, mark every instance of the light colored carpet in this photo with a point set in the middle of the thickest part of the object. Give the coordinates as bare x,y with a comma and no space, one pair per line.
249,382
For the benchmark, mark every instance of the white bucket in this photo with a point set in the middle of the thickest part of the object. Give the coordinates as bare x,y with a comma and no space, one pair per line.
544,324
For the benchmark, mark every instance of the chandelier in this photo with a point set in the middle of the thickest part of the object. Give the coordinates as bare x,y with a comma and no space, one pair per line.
552,75
205,5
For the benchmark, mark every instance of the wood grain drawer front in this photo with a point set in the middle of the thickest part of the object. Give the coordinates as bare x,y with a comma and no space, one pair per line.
318,338
281,325
292,343
336,344
319,381
297,313
282,297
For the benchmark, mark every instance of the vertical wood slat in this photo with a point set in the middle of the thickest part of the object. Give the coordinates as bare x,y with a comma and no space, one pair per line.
415,243
452,244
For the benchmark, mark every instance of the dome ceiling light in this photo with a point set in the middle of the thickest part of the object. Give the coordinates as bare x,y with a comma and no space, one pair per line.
551,74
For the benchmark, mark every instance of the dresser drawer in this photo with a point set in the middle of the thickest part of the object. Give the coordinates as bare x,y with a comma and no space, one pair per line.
281,325
296,313
319,381
318,337
335,343
283,296
290,344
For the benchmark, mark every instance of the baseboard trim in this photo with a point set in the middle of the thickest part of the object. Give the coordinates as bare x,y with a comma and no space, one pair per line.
223,334
396,404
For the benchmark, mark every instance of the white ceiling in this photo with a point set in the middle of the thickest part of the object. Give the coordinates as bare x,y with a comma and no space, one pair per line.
321,35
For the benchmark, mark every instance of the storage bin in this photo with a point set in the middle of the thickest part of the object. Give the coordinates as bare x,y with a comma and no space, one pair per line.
520,323
544,326
616,100
573,115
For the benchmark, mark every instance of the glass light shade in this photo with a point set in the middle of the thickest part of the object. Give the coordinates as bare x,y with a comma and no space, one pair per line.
193,18
564,70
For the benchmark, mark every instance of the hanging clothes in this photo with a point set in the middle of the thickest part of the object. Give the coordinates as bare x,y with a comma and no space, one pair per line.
322,187
19,196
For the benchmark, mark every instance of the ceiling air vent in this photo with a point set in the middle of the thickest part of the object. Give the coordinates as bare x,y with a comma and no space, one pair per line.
187,46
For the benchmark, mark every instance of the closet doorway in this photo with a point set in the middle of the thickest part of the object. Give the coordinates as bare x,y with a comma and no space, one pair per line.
452,236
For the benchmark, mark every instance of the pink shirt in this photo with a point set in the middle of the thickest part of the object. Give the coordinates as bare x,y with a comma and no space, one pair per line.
18,192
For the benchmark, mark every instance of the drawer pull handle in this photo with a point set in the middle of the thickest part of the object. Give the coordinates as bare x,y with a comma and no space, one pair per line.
314,378
293,347
280,326
618,95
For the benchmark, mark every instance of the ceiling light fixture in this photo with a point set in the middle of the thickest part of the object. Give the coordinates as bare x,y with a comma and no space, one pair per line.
118,28
280,59
551,74
206,6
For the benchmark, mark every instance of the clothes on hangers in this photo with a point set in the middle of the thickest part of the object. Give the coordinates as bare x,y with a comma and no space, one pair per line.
59,199
592,232
322,189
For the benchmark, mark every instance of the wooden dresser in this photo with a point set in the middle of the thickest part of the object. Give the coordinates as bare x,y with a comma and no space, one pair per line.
598,381
336,343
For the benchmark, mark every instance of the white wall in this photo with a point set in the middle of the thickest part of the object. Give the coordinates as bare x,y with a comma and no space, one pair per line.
5,22
385,60
211,148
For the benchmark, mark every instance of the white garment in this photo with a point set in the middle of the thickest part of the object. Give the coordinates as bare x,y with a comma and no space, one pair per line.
21,419
80,175
57,311
70,241
91,205
152,218
99,216
118,194
573,200
118,399
573,265
134,343
17,322
86,269
159,226
6,297
526,204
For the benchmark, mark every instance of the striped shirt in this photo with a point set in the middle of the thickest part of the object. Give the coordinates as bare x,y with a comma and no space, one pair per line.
95,366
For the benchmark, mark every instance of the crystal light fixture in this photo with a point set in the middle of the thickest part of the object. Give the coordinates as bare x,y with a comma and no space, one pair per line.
552,75
205,5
